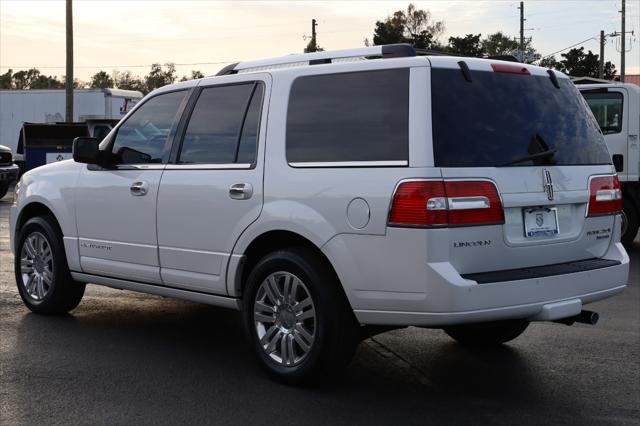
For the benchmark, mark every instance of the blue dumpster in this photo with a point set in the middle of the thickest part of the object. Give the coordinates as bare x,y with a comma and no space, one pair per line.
48,143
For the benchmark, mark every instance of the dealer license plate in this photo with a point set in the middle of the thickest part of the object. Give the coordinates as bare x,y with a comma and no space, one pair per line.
540,222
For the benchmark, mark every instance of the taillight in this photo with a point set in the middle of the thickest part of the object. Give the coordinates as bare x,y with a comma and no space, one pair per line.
439,203
605,196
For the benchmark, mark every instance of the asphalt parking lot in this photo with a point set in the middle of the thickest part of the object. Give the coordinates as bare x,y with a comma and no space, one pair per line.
126,358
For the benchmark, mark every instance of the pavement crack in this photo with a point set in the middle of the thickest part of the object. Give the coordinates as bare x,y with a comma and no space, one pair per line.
398,360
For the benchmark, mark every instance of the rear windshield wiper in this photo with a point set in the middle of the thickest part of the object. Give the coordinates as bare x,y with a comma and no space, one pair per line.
543,154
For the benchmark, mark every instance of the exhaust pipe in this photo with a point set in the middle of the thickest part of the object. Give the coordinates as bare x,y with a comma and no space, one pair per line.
584,317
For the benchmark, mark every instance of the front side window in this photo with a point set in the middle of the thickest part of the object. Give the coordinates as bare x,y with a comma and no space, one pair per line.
143,137
350,117
607,109
223,127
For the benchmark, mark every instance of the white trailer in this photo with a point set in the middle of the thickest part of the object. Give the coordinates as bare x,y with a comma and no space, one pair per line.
98,107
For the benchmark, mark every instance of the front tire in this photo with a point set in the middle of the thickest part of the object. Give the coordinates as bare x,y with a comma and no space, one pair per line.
42,274
297,317
487,333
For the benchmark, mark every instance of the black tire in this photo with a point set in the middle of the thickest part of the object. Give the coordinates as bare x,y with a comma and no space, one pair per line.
4,187
63,293
335,326
632,222
487,333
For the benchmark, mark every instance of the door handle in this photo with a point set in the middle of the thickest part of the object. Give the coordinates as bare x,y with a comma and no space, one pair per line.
241,191
139,189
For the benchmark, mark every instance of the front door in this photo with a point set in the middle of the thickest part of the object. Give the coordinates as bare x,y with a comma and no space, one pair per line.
116,207
212,191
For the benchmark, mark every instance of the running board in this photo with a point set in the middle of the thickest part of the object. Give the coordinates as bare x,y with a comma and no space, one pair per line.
159,290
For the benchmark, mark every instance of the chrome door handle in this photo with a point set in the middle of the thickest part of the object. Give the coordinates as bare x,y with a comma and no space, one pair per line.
241,191
139,189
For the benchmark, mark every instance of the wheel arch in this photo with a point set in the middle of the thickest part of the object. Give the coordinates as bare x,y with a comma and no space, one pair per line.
266,243
31,210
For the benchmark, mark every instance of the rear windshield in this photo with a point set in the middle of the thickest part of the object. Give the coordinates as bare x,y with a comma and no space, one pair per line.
501,119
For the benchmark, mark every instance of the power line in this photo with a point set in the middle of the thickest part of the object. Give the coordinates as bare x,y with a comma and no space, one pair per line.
569,47
114,66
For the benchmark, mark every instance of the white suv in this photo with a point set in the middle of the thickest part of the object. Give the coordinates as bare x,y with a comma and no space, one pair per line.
324,193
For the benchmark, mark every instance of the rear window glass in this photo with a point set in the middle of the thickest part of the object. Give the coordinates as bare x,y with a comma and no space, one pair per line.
499,119
607,108
360,116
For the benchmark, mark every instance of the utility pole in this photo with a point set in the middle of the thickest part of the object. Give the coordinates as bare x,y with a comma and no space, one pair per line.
622,47
313,44
69,73
521,30
314,25
601,64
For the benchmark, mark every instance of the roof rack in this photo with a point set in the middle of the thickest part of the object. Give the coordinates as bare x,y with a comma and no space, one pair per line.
316,58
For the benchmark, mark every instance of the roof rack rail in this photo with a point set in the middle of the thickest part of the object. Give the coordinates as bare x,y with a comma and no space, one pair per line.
373,52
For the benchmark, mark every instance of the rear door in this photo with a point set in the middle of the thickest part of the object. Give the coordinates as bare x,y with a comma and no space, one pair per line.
532,136
212,191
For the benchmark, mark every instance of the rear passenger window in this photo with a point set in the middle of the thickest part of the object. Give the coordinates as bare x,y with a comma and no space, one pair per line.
351,117
223,127
607,108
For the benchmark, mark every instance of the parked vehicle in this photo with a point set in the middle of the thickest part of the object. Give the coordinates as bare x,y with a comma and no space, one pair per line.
616,107
101,109
384,189
8,170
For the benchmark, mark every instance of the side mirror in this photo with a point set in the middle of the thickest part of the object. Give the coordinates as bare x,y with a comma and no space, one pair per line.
85,150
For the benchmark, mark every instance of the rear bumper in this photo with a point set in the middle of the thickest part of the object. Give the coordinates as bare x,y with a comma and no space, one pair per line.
8,173
393,291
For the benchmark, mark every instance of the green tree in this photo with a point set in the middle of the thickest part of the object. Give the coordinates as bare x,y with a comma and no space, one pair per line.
127,81
23,79
6,80
194,76
101,80
498,43
159,77
469,45
413,26
577,63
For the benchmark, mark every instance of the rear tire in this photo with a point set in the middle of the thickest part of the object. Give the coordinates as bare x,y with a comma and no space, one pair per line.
631,219
307,336
42,274
487,333
4,187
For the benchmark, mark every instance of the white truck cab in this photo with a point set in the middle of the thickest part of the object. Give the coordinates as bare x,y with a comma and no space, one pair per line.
327,193
616,107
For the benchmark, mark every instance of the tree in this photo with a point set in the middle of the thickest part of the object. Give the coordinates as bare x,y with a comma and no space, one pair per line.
127,81
498,43
101,80
469,45
577,63
6,80
23,79
158,77
194,76
413,26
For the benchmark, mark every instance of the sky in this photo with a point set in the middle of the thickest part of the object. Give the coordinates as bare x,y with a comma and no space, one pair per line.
206,35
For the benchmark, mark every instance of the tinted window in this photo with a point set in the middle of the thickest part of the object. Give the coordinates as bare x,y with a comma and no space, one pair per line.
143,137
499,118
361,116
218,131
607,108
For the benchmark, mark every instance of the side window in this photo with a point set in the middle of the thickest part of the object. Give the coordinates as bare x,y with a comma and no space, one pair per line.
607,108
223,127
360,116
143,137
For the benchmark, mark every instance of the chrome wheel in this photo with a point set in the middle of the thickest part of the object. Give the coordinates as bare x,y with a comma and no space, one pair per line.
285,318
36,265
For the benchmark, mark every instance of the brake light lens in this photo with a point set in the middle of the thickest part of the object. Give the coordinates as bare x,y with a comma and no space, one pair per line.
510,69
605,196
436,203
